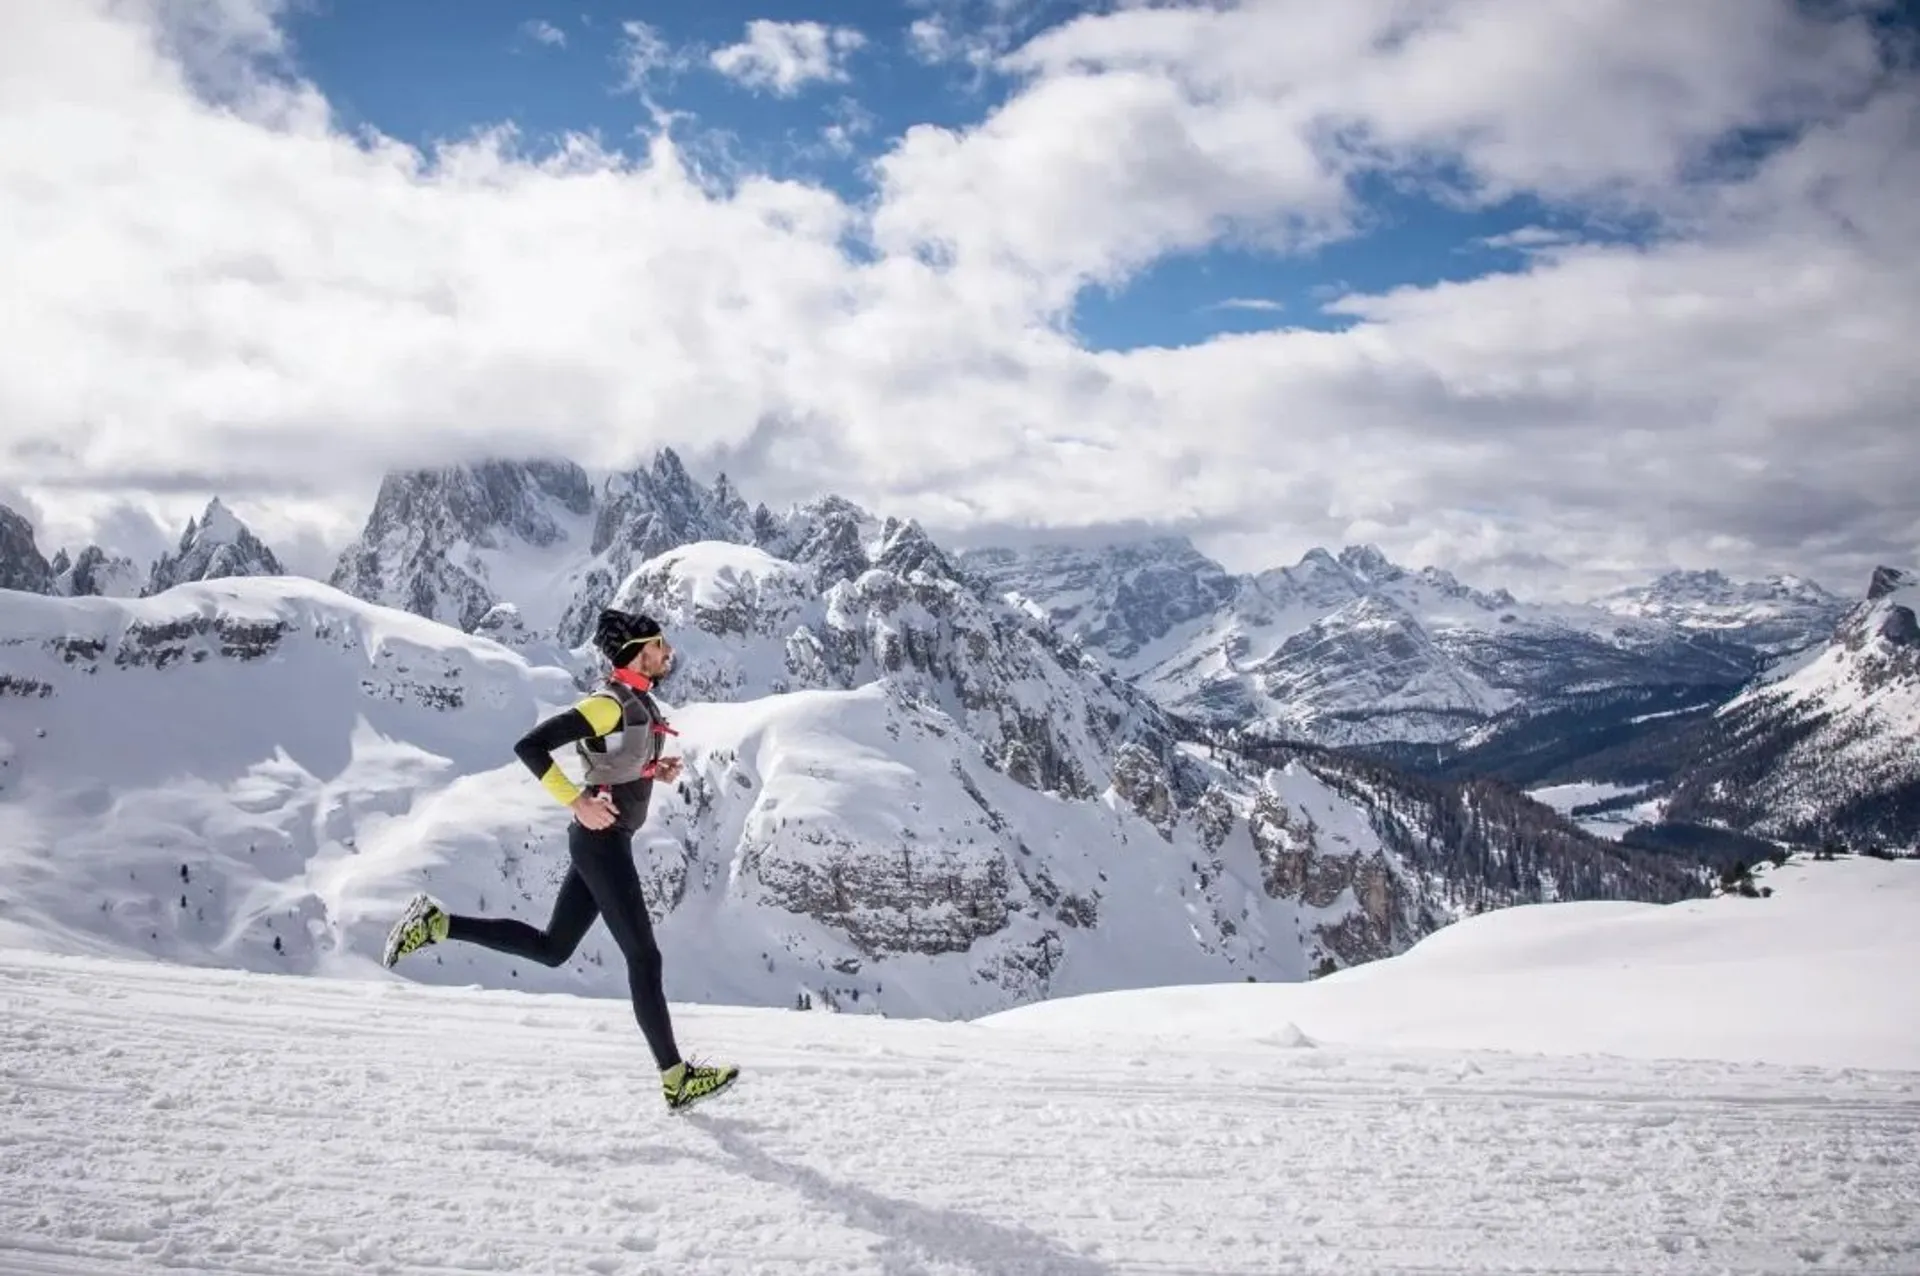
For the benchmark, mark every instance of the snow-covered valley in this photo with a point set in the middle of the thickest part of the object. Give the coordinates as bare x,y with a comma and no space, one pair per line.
1716,1086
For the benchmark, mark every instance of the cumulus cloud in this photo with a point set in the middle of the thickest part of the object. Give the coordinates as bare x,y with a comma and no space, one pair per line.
540,31
784,57
214,288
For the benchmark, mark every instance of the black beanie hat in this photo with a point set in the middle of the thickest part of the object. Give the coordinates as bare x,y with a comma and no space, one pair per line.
618,630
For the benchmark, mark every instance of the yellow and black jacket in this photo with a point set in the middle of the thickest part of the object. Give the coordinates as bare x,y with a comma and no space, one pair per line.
618,733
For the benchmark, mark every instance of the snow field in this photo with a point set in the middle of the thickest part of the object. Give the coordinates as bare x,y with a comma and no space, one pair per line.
165,1118
1809,976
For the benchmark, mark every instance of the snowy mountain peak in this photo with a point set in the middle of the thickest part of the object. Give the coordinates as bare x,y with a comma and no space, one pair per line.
1887,580
216,546
906,548
830,534
1776,615
1118,598
1370,564
452,542
22,566
1427,657
1886,615
218,524
96,573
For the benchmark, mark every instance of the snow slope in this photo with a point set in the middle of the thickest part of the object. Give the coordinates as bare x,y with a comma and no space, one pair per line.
242,763
1812,975
164,1118
1615,820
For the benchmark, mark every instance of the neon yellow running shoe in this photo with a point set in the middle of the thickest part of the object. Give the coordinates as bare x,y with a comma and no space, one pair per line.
424,922
685,1084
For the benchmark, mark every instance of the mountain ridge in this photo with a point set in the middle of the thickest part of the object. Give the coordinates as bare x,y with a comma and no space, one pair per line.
944,810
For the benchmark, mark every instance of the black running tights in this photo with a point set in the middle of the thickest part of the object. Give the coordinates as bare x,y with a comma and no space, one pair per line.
601,882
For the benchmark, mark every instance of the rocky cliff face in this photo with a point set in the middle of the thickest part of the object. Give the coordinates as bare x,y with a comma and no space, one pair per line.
438,542
95,574
1118,600
22,566
217,546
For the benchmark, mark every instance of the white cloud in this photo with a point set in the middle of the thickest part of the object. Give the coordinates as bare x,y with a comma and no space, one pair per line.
540,31
1265,305
784,57
971,33
212,288
929,40
850,122
646,59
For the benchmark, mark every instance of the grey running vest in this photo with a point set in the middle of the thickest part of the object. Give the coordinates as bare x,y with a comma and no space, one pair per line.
627,753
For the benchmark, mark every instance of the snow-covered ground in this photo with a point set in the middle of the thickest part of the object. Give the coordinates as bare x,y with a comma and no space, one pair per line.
1611,823
1800,978
162,1118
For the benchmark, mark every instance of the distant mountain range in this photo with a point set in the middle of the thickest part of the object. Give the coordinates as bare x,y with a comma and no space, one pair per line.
1352,649
902,793
1342,660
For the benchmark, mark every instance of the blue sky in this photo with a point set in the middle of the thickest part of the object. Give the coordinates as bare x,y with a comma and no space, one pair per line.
429,70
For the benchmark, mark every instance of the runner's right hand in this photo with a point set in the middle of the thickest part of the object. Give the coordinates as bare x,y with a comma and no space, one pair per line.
594,811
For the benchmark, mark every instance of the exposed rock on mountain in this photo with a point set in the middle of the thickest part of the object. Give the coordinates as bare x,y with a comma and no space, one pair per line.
637,516
1775,616
217,546
96,573
22,566
1118,600
450,543
1363,870
1827,744
1348,649
750,624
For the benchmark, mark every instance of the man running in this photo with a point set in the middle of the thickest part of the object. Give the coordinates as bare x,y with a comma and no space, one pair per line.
619,734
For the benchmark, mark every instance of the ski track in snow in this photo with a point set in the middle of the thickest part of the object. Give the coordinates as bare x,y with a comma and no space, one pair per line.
158,1118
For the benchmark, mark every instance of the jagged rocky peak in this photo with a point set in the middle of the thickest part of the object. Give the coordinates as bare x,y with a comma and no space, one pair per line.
647,511
216,546
1887,614
830,534
487,501
1116,596
906,548
22,566
1887,580
639,515
438,538
1370,564
1318,580
490,504
96,573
